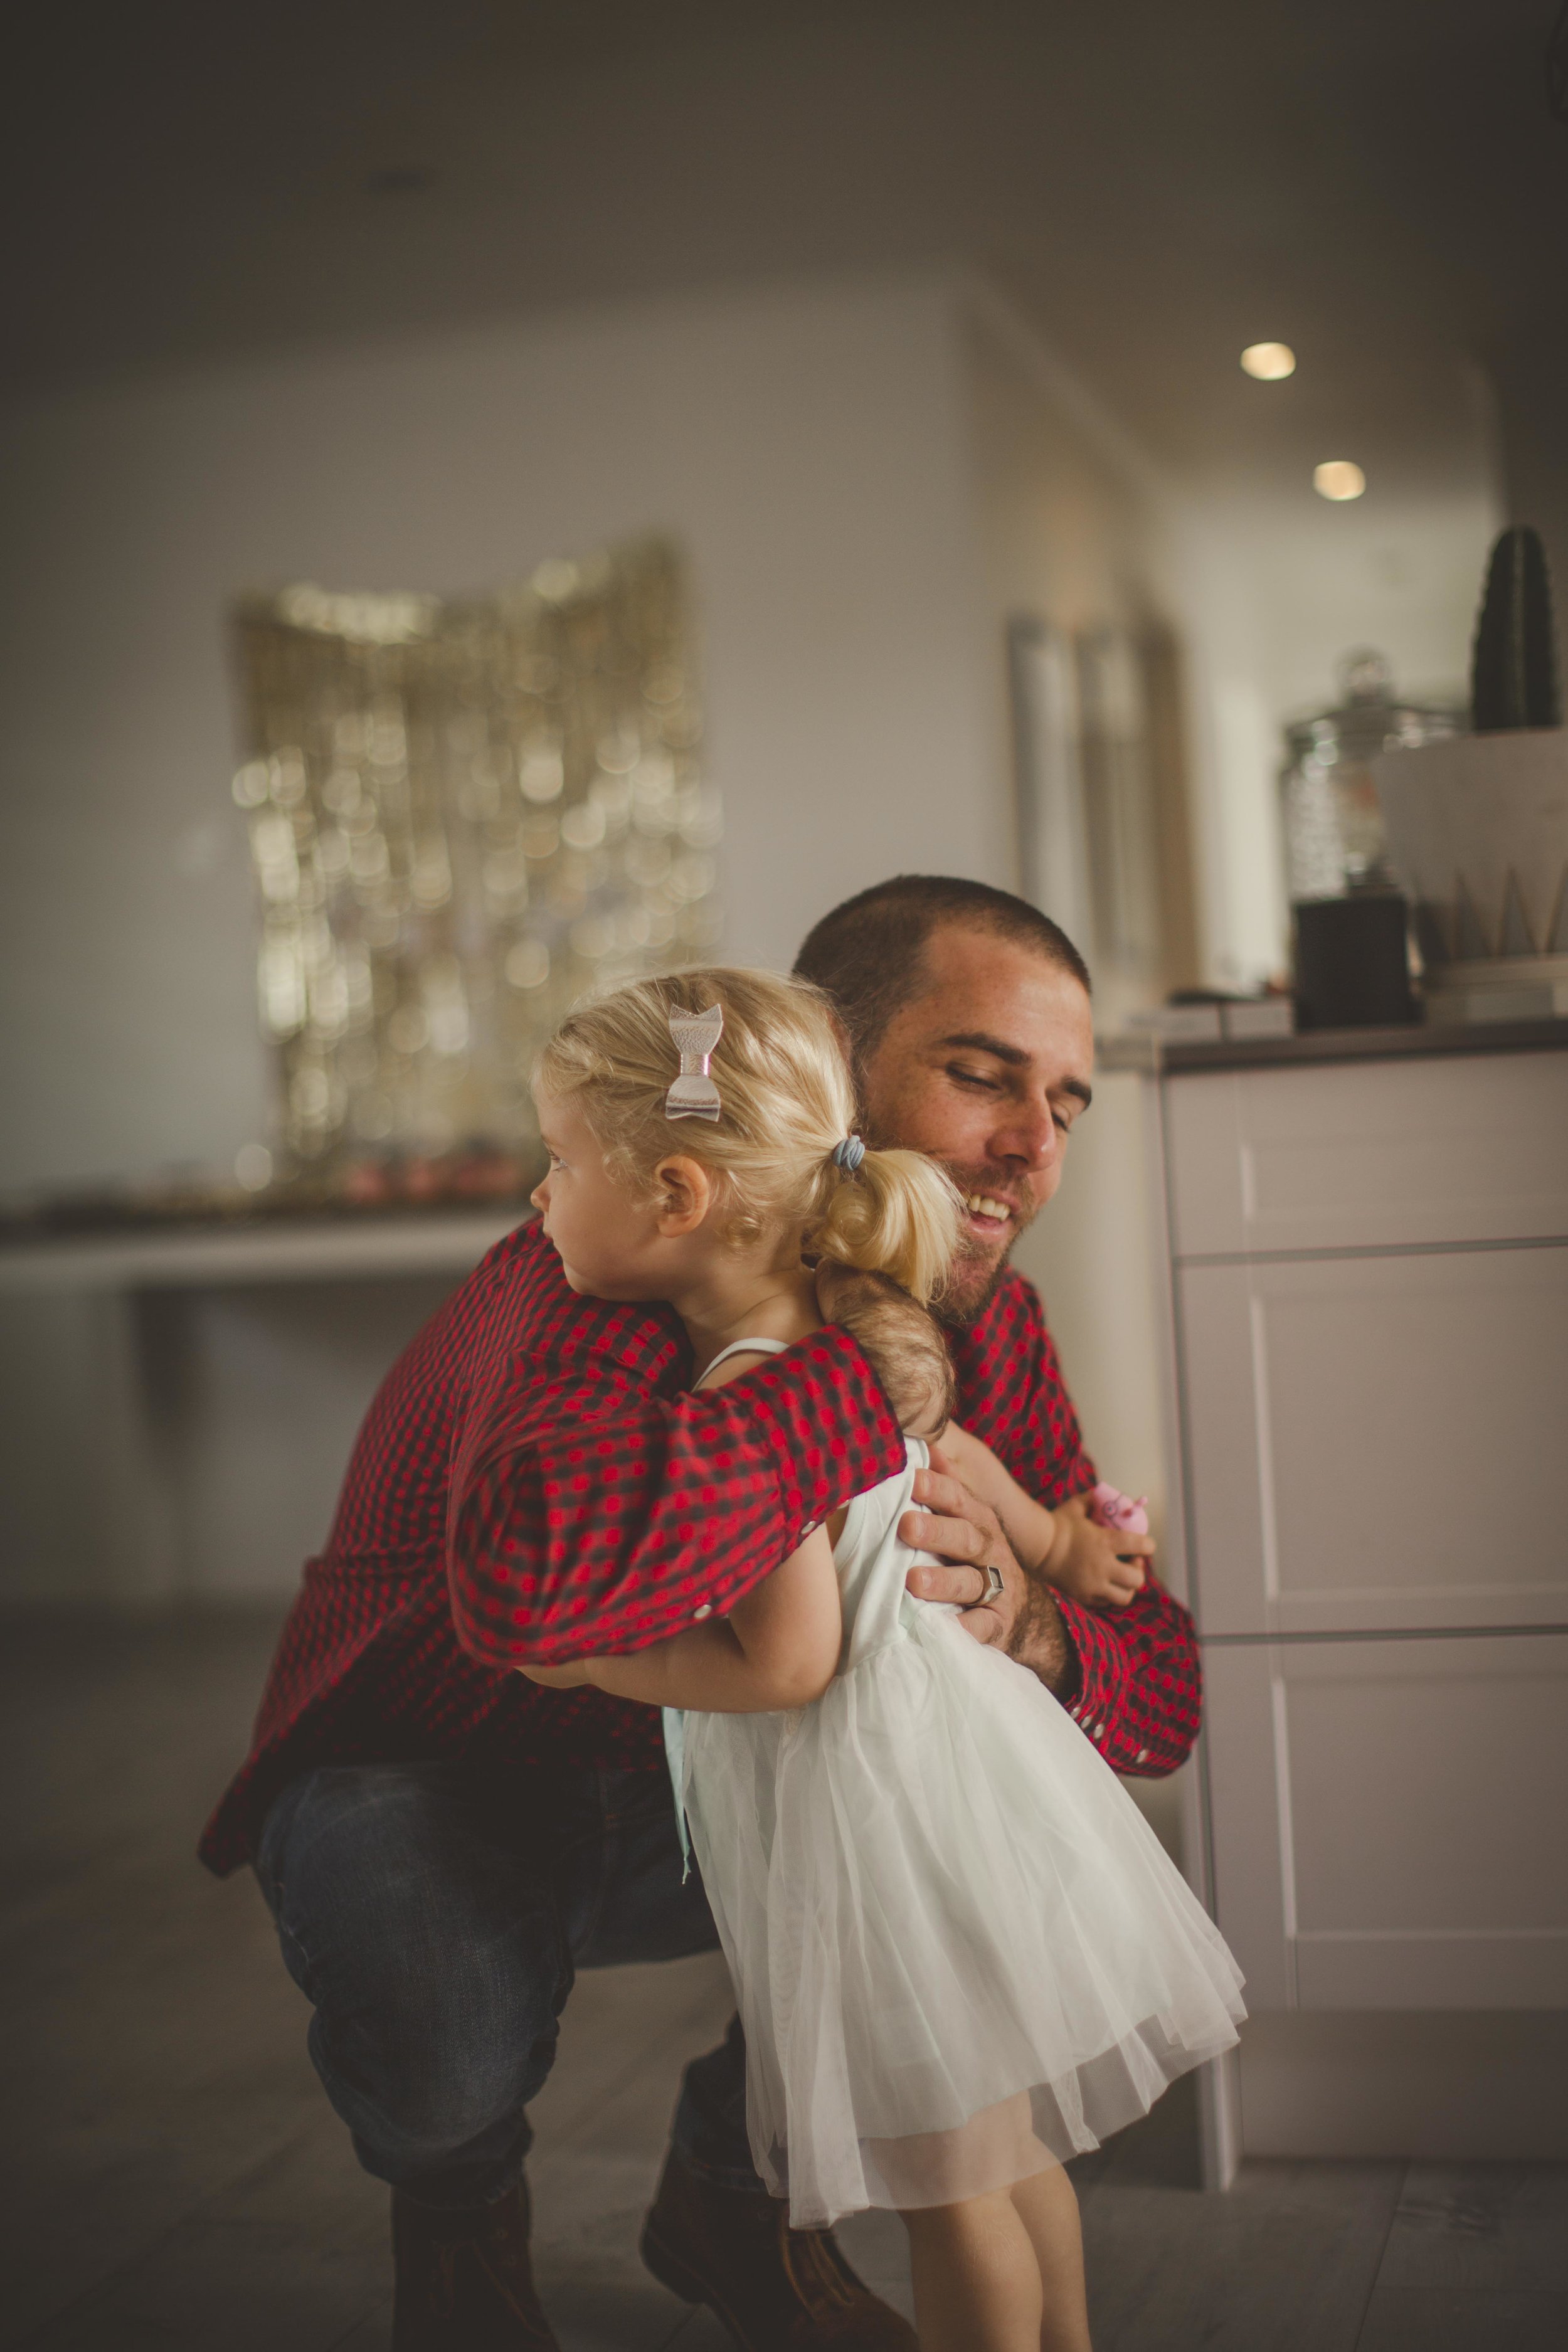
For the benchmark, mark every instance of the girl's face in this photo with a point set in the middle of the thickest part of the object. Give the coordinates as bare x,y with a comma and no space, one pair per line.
612,1243
602,1233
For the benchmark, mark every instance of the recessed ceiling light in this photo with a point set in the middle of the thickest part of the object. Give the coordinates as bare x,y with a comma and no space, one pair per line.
1269,362
1338,478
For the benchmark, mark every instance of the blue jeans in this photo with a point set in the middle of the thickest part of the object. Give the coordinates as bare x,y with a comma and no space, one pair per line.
436,1914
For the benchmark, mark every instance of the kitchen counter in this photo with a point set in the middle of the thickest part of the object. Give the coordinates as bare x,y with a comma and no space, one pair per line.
1142,1052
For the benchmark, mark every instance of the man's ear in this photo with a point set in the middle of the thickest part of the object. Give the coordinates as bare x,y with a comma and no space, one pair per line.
685,1195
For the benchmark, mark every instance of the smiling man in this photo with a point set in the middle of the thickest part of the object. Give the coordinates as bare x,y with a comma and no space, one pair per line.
967,1015
443,1843
970,1030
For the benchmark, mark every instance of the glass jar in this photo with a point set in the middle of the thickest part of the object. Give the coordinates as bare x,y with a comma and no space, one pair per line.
1334,839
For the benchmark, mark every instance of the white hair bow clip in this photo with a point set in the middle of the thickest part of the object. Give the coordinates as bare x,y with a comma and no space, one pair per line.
694,1094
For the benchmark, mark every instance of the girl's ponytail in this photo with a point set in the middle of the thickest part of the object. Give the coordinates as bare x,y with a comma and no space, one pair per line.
894,1213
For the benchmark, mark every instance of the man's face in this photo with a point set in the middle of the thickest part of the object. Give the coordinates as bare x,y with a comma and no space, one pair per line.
985,1069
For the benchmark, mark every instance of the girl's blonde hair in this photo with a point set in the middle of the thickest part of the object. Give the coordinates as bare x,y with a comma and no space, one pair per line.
786,1105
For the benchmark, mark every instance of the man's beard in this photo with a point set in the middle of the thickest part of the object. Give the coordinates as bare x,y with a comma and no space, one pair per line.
972,1283
976,1272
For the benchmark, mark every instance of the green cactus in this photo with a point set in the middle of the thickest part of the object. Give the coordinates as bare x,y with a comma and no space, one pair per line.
1513,669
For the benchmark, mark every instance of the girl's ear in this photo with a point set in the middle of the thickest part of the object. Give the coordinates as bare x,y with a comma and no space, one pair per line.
685,1195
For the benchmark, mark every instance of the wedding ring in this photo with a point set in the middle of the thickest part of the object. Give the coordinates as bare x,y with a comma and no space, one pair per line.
994,1586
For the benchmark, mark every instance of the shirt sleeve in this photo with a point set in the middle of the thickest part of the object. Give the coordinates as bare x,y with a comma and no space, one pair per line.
1136,1683
590,1516
1138,1688
1044,1446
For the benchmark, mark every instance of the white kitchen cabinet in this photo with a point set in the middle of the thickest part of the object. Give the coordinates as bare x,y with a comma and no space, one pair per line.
1388,1820
1367,1247
1373,1154
1378,1442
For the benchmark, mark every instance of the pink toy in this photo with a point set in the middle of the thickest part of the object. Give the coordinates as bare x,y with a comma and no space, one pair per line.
1111,1508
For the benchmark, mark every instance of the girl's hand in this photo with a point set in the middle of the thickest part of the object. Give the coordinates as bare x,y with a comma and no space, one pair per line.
1098,1566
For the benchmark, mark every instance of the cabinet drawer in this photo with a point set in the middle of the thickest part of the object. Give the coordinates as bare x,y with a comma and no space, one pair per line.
1387,1821
1377,1443
1462,1148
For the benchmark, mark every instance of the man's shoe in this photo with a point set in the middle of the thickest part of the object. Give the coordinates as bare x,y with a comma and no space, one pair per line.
465,2282
774,2288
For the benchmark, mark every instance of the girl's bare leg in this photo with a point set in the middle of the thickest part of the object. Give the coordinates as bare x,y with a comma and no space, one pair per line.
1047,2208
976,2277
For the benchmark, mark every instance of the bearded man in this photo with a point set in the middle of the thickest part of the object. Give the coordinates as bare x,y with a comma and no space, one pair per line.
443,1843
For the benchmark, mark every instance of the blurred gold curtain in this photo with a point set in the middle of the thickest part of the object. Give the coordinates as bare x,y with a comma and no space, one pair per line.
464,813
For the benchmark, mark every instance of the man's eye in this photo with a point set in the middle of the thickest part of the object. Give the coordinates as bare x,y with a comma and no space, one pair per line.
963,1077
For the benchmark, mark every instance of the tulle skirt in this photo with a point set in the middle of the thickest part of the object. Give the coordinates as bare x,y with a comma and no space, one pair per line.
960,1953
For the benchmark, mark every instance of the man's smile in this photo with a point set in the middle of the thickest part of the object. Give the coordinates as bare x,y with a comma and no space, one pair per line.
994,1215
988,1218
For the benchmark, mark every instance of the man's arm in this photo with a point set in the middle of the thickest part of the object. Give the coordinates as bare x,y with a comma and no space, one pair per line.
1132,1676
1129,1674
588,1514
1139,1690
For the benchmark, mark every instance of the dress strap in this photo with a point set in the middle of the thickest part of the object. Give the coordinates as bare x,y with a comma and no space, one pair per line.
746,1347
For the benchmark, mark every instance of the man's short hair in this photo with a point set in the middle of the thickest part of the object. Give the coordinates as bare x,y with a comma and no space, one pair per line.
866,954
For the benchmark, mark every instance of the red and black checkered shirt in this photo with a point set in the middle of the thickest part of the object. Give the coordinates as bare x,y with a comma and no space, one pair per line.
534,1482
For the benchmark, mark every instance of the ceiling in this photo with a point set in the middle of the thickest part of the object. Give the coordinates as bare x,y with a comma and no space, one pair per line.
1377,181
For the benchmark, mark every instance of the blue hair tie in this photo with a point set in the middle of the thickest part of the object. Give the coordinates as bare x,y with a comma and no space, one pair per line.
848,1154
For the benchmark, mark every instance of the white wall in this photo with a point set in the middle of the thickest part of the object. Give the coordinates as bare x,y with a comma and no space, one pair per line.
803,444
1072,529
806,445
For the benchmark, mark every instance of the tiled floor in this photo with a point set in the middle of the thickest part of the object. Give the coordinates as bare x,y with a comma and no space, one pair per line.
174,2179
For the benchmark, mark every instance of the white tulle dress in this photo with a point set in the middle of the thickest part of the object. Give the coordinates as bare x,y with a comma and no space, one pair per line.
960,1953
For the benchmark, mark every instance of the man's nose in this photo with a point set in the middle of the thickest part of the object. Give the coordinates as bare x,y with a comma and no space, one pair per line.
1028,1139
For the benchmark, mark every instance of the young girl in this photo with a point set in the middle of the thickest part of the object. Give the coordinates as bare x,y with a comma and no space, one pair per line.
960,1954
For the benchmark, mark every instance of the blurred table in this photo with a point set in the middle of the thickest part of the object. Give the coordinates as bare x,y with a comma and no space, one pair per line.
177,1402
310,1250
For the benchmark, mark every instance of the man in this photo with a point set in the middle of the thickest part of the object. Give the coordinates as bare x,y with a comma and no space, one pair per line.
443,1843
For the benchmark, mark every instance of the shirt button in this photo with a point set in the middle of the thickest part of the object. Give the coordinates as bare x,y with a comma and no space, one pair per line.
1142,1755
706,1610
1099,1730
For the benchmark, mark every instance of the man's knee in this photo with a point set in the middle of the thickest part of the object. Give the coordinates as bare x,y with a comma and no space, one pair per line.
431,1950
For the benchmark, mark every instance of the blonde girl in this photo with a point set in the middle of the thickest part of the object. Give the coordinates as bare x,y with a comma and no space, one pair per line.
959,1954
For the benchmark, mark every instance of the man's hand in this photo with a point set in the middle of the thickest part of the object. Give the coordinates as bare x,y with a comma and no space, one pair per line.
1094,1565
1023,1618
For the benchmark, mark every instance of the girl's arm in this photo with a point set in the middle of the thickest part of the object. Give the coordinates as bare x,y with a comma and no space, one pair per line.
1042,1540
777,1648
1028,1527
590,1507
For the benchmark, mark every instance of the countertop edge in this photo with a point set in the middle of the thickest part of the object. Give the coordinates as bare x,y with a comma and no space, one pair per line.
1151,1055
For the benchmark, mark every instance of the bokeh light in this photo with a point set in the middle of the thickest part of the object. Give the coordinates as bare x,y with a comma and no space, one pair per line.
1268,363
1338,478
